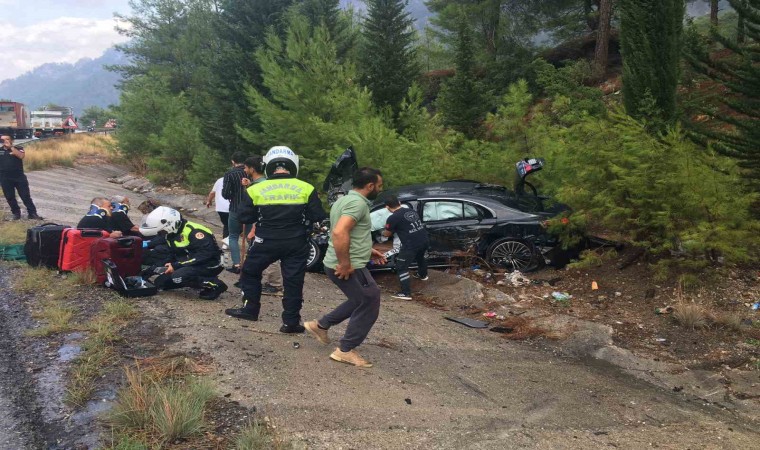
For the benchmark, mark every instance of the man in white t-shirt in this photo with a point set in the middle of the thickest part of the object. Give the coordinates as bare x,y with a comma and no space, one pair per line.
222,208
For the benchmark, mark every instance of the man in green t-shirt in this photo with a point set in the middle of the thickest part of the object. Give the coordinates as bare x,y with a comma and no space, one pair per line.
348,252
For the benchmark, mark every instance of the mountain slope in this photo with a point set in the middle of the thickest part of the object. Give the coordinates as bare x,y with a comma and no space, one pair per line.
79,85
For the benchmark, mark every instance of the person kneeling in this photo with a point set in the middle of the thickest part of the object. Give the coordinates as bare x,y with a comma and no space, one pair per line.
197,259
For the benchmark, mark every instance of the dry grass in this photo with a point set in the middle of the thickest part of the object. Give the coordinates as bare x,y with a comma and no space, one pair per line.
66,150
728,320
690,315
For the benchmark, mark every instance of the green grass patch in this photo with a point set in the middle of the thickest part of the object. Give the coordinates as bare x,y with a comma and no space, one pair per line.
258,436
13,232
165,409
57,317
753,341
98,353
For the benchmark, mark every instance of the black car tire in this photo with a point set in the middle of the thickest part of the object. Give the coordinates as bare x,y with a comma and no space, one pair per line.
314,262
513,254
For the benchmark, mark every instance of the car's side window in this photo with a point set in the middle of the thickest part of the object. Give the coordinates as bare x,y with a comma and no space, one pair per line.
442,210
470,211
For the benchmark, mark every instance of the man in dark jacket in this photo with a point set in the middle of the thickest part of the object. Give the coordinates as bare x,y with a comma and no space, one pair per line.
196,257
99,217
283,209
12,178
120,216
233,190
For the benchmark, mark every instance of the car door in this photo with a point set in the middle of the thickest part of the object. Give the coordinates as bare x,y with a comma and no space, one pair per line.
454,226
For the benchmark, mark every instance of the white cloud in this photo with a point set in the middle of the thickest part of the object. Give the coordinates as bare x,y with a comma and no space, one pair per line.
65,39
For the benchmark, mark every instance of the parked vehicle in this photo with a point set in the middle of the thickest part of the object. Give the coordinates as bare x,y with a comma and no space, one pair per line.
54,121
465,219
15,120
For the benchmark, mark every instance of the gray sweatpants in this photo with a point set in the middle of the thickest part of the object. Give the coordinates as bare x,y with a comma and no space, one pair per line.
362,307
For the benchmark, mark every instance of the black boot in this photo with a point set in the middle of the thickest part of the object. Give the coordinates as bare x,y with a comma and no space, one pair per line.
213,292
292,329
241,313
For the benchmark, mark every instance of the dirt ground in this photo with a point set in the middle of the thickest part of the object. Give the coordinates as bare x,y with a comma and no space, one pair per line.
438,384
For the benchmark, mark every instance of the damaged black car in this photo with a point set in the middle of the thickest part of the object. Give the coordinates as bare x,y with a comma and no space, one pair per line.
467,221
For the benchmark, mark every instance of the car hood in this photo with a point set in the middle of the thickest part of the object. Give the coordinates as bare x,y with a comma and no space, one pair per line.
339,179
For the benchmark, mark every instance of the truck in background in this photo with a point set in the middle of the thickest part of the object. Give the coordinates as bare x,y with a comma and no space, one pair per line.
53,121
15,120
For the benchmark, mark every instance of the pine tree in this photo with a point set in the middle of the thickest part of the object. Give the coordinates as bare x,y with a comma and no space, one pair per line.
650,38
739,114
462,102
388,58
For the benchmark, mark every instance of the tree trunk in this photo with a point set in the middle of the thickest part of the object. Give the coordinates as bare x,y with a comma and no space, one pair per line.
714,12
740,28
601,53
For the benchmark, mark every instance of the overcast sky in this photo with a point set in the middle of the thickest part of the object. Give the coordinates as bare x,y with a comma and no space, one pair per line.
36,32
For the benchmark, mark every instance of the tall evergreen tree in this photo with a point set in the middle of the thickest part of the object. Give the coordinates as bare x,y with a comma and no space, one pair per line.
462,101
650,37
388,58
739,111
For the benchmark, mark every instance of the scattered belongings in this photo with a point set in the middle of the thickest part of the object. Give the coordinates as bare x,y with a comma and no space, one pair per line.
594,286
472,323
516,279
755,306
665,310
561,296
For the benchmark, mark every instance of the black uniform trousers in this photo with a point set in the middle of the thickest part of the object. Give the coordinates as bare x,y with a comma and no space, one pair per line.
292,254
198,277
13,183
404,259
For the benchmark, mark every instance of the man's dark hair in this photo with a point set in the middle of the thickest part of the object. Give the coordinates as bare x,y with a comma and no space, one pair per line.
255,163
238,157
392,201
365,176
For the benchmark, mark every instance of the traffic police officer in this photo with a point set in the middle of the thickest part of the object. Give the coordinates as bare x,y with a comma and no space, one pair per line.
196,257
283,209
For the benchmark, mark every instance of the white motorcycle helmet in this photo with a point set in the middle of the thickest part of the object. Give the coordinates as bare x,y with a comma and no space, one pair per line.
161,219
280,156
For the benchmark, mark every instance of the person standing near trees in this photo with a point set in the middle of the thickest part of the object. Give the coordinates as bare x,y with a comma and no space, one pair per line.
282,208
222,206
12,179
348,252
233,190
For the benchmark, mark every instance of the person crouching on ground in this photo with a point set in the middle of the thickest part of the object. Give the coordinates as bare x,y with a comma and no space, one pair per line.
99,217
197,259
407,225
349,250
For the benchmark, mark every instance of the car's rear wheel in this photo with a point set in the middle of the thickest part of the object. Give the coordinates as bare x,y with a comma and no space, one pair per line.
513,254
314,261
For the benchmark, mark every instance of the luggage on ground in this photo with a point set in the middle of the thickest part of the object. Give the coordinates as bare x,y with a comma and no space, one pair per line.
13,252
127,287
43,245
75,248
125,252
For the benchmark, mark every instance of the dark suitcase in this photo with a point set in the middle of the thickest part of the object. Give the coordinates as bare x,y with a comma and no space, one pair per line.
43,245
127,287
125,252
75,248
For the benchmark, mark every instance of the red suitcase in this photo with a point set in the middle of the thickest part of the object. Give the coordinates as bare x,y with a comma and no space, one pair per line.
125,252
75,248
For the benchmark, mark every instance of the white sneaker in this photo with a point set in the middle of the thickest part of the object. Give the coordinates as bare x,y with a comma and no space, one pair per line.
402,296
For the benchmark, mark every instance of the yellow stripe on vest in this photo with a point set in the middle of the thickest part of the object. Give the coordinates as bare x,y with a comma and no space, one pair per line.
288,191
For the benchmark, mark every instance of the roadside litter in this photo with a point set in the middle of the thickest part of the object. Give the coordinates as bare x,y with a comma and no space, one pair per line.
665,310
472,323
493,315
756,306
516,279
502,329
